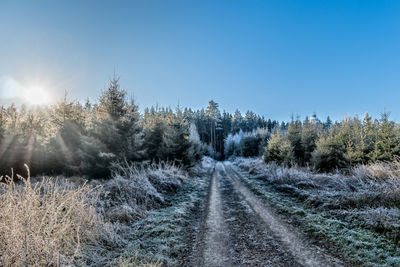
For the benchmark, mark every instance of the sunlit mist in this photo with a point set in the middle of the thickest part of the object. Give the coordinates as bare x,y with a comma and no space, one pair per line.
36,95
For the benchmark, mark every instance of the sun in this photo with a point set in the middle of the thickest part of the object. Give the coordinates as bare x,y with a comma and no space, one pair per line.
36,95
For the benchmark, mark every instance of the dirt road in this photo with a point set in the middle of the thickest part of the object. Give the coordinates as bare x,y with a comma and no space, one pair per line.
240,230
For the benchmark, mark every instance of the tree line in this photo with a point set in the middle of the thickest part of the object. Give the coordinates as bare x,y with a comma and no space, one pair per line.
70,137
87,138
215,126
323,146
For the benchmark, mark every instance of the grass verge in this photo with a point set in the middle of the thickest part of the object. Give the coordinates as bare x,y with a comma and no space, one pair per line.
163,237
352,242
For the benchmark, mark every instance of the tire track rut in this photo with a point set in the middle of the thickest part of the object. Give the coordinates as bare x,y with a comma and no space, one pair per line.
241,231
294,241
215,247
252,244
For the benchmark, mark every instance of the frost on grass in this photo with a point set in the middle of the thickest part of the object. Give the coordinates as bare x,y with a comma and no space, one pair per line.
53,222
161,237
359,213
136,188
327,191
48,223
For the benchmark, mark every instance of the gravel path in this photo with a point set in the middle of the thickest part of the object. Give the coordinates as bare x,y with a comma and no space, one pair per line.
240,230
215,242
293,241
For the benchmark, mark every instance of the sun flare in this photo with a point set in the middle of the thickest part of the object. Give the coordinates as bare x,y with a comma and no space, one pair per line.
36,95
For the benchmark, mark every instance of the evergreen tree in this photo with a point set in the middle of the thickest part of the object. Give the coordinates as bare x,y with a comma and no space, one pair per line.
237,121
278,149
369,136
113,101
293,136
214,119
387,140
309,137
249,146
350,136
328,123
226,123
329,153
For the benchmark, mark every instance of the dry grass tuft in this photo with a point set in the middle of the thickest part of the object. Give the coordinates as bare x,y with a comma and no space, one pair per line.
45,223
136,188
61,222
379,170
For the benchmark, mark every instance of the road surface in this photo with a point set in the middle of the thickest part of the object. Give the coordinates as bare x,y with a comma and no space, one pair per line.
239,229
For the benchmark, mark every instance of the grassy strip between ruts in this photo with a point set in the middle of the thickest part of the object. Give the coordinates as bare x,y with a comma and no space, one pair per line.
162,237
356,244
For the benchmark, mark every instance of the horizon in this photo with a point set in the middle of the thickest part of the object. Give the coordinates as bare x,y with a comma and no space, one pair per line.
18,102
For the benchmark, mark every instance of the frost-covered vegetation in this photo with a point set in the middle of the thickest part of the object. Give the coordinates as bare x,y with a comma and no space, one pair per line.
331,146
63,222
247,144
72,138
358,213
50,222
323,146
167,235
135,188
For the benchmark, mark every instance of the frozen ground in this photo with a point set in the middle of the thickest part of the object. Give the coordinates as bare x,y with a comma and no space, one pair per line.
241,231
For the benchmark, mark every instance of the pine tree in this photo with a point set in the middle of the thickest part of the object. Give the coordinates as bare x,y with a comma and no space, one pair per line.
237,121
309,137
387,140
66,111
278,149
294,133
113,101
329,153
369,134
153,140
349,136
328,123
214,118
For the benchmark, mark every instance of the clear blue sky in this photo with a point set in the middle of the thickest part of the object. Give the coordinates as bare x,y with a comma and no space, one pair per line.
273,57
